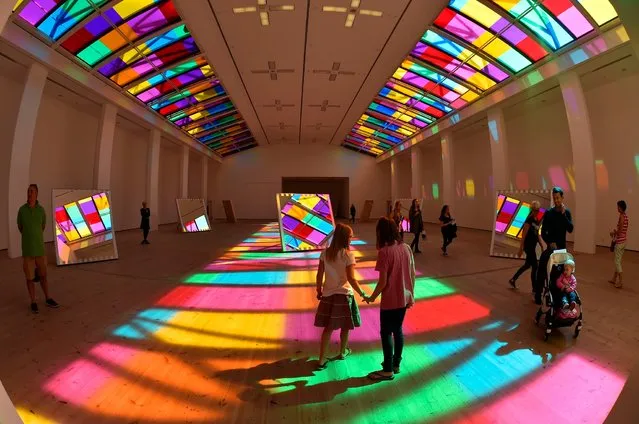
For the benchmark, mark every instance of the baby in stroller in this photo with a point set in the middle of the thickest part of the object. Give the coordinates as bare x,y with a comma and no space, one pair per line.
567,283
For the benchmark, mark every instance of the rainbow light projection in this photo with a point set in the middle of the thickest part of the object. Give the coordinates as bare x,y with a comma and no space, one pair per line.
237,349
473,47
306,221
142,48
512,214
83,227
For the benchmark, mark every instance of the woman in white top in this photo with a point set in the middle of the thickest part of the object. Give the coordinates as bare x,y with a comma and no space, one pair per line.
337,308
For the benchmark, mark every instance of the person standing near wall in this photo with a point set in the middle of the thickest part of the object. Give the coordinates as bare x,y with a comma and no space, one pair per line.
620,235
145,223
529,240
416,224
353,212
556,223
32,221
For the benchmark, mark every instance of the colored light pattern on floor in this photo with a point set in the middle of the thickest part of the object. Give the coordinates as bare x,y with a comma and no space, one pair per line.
472,48
218,352
142,48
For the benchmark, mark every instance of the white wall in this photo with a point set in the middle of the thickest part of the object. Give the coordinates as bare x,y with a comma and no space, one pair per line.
169,181
128,175
432,180
613,105
63,152
404,177
474,199
11,88
252,178
195,176
539,150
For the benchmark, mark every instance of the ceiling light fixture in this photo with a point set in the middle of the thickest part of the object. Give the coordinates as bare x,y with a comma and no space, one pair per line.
352,11
263,8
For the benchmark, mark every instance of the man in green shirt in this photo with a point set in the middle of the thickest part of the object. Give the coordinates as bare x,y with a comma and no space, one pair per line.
31,223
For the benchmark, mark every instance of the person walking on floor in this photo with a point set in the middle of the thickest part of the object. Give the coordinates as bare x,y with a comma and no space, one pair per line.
335,282
396,267
31,223
145,222
620,235
353,212
556,223
416,224
448,227
529,240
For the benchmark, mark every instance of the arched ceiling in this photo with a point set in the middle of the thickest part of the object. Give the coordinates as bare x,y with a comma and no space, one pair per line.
365,74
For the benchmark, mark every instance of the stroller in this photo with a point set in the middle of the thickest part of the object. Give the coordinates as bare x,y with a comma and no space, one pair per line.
555,315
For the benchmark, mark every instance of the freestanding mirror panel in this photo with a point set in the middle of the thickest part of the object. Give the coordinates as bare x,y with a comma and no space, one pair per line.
512,210
193,216
306,221
83,230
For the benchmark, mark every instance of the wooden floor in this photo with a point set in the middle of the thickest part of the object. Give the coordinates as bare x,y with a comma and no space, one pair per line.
215,328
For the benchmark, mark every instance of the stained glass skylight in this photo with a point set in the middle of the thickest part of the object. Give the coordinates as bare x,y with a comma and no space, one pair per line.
471,48
143,48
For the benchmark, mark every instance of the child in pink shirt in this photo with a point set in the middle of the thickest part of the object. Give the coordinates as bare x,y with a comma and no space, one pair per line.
567,283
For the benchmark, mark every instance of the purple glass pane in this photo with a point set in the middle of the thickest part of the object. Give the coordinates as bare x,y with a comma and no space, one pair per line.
190,76
464,28
34,11
289,223
287,207
514,35
149,95
509,207
499,25
495,72
98,26
147,21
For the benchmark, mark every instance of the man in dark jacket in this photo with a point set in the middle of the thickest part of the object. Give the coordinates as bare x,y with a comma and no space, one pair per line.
556,222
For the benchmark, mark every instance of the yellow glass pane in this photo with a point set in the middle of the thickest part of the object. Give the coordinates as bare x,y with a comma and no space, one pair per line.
139,87
127,8
496,48
601,10
17,5
482,39
481,13
481,81
470,96
399,73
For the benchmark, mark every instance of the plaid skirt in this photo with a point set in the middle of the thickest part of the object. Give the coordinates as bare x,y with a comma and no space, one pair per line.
339,311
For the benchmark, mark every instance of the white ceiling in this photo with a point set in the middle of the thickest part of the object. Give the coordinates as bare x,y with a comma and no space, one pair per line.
302,103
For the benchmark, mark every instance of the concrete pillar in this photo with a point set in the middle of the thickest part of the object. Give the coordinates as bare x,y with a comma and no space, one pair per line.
628,11
6,8
498,148
584,161
394,164
153,178
184,173
104,149
448,176
19,166
205,178
416,172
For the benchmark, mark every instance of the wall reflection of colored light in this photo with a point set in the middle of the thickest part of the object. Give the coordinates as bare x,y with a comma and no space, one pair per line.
637,166
470,188
601,172
558,177
435,191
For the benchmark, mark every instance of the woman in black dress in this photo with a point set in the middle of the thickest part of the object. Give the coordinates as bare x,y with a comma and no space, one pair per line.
449,228
529,240
145,223
416,224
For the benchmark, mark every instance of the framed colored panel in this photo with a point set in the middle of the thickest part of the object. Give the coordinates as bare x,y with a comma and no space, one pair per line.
83,229
192,214
306,221
513,208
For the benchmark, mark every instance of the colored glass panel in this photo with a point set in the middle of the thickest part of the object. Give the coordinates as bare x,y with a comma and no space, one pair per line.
464,55
177,82
91,215
600,10
215,124
77,219
508,209
191,91
135,28
405,115
170,73
570,16
64,222
63,16
441,106
306,221
102,203
214,110
537,20
515,226
202,223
